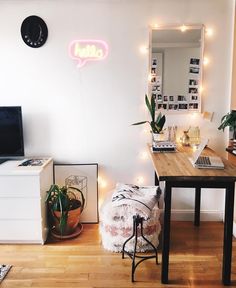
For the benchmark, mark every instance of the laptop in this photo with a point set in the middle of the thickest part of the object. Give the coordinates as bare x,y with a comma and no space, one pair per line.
205,162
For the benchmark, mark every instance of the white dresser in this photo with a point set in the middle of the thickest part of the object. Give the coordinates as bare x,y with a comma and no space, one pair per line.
22,202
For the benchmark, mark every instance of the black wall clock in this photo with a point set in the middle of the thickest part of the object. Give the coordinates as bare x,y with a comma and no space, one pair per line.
34,31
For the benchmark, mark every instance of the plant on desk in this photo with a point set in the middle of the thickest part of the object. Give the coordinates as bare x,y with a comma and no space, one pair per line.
157,122
65,204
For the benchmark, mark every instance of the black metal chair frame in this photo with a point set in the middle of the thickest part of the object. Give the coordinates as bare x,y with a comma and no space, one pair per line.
137,220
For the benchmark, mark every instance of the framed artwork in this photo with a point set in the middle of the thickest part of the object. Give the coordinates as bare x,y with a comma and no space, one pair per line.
83,177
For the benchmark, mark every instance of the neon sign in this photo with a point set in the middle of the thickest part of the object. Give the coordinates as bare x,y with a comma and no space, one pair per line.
84,51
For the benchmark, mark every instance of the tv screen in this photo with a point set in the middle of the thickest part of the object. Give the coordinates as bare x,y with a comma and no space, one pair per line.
11,132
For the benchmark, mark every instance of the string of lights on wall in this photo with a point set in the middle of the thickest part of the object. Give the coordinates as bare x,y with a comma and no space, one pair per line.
144,49
143,155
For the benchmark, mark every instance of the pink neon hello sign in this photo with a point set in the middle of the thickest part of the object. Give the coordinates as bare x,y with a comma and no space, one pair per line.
85,50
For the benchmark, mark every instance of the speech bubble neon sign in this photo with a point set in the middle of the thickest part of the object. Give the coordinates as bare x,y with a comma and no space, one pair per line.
84,51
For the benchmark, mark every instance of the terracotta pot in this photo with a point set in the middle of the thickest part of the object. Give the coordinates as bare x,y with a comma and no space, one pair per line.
72,221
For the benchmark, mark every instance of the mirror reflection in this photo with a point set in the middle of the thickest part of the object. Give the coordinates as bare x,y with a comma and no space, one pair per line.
176,68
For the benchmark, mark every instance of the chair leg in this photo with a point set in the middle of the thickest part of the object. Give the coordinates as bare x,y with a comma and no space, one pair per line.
137,220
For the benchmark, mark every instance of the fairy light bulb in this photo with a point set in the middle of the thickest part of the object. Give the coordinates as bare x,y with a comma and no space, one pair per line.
209,32
140,180
183,28
102,183
155,25
201,88
205,61
143,49
144,155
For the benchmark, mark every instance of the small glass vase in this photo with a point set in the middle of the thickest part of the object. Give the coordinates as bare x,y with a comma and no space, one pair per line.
185,139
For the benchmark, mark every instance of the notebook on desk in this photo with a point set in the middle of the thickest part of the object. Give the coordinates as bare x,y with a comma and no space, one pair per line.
205,162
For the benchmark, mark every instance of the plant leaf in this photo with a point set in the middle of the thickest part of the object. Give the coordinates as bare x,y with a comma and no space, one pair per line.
139,123
149,106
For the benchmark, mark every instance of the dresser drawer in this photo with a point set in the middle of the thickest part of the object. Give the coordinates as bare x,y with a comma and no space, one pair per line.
19,186
21,231
20,208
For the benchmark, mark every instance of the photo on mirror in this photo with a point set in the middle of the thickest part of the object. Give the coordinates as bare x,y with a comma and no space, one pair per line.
194,61
171,98
162,106
154,88
153,79
194,97
159,98
193,82
173,106
154,62
154,71
193,70
193,106
183,106
182,98
193,90
165,98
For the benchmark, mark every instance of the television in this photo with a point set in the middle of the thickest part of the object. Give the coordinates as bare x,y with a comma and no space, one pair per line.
11,133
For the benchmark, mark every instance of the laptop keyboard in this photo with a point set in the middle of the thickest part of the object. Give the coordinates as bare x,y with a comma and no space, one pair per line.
203,160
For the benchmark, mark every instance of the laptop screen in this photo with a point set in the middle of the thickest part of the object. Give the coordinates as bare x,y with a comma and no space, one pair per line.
199,150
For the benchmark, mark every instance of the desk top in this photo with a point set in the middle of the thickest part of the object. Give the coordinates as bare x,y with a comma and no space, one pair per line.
176,166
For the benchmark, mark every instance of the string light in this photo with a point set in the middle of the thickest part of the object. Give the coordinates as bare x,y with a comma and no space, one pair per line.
209,32
143,49
144,155
102,183
155,25
183,28
201,88
140,180
205,61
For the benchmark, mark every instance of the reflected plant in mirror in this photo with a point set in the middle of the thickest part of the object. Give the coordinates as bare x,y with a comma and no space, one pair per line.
176,67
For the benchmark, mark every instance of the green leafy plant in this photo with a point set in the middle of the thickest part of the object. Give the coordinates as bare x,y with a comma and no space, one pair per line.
63,200
229,120
157,122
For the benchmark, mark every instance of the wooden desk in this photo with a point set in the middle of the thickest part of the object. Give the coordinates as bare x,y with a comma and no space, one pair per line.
177,171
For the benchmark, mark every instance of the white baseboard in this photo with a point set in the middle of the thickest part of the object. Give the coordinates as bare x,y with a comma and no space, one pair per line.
205,215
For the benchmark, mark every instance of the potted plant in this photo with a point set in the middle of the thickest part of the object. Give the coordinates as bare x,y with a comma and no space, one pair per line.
65,204
157,122
229,120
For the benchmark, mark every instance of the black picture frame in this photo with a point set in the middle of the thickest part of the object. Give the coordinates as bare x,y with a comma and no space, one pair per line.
84,177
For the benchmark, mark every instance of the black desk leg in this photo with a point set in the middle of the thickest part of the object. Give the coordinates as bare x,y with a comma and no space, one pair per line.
197,206
166,234
228,231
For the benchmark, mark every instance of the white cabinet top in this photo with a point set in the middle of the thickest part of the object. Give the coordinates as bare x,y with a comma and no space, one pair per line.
12,167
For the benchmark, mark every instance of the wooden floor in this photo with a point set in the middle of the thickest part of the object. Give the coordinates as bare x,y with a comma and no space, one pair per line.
195,261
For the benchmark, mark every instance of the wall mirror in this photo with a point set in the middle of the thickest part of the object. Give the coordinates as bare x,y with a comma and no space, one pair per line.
176,67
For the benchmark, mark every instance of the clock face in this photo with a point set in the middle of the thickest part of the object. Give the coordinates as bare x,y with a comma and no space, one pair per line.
34,31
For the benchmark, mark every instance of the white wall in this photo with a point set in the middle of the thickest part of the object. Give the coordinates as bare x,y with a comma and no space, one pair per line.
84,115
